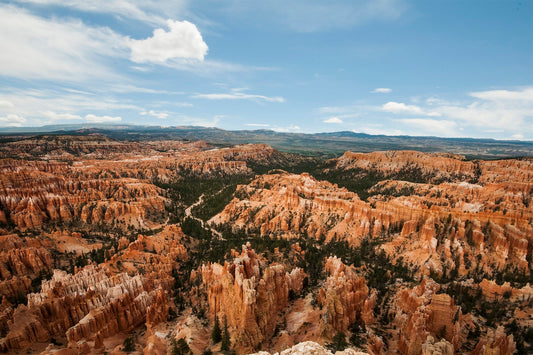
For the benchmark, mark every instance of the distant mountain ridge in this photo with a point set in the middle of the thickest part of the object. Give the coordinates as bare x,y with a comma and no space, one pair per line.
327,144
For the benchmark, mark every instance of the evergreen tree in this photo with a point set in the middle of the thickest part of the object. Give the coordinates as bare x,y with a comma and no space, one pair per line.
226,342
180,347
339,342
129,345
216,334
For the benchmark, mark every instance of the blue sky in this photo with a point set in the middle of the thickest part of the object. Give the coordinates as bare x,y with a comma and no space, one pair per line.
441,68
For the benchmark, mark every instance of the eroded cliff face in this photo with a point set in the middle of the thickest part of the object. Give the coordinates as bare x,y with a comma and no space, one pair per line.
437,238
345,299
39,193
495,342
422,312
99,301
434,166
249,295
21,260
468,221
290,205
118,190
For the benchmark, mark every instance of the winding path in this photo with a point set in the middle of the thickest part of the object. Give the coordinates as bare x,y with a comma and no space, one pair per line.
188,213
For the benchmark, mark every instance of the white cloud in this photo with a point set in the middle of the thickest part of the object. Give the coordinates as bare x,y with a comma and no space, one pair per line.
494,113
381,91
401,108
495,109
53,116
517,136
422,126
39,48
237,95
36,103
101,119
151,11
505,95
6,104
12,120
183,40
333,120
68,117
160,115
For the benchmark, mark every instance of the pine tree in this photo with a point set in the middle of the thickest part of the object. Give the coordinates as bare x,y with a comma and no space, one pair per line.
226,342
216,334
339,342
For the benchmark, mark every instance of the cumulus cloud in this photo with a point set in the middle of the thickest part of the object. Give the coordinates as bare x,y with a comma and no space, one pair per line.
381,91
182,40
237,95
333,120
160,115
400,107
12,120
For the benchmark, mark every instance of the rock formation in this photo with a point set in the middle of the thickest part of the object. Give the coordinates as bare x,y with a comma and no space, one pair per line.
420,313
344,298
293,205
495,342
249,295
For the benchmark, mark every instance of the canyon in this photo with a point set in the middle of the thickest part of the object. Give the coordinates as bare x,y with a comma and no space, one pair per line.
113,246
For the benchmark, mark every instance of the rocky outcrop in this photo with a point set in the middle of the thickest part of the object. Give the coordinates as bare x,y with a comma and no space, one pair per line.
119,190
432,230
91,302
432,166
36,193
100,301
495,342
344,298
21,260
420,313
291,205
311,348
443,347
249,295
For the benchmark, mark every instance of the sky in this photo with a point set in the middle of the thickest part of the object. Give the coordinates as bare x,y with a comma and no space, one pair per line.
449,68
